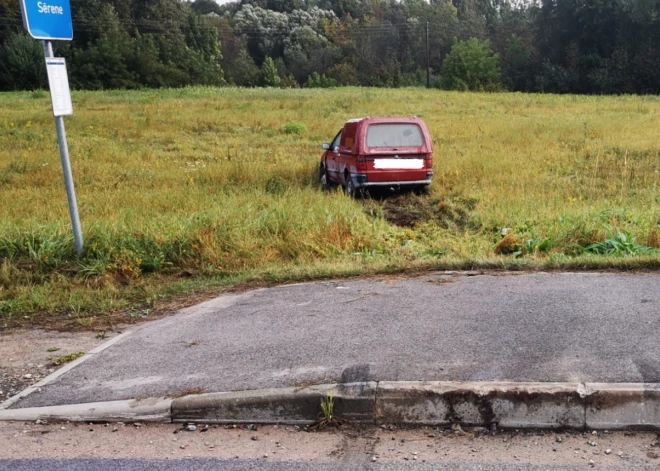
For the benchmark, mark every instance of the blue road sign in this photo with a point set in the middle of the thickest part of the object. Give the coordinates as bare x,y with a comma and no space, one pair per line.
48,19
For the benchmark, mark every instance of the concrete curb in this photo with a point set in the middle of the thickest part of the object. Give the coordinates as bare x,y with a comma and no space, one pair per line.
156,409
354,401
509,405
623,405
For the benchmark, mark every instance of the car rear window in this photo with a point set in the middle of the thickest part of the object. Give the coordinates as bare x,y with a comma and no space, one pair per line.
394,135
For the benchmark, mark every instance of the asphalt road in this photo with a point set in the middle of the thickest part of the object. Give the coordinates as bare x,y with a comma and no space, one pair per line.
523,327
242,465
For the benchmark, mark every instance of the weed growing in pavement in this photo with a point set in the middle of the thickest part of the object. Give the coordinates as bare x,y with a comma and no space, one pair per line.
328,408
327,415
63,360
231,195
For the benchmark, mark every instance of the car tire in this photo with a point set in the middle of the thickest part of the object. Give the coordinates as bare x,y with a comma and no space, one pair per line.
323,179
349,187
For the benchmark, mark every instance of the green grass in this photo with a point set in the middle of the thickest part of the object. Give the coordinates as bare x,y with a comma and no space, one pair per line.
186,192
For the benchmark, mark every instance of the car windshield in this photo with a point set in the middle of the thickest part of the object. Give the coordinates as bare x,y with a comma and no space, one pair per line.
394,135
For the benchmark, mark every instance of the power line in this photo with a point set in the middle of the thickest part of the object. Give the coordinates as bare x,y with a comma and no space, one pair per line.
338,32
363,33
162,24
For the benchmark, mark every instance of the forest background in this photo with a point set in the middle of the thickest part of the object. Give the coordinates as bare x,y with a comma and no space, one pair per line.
550,46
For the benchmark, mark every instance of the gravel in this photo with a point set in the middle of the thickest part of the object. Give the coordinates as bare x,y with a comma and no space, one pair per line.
25,356
15,380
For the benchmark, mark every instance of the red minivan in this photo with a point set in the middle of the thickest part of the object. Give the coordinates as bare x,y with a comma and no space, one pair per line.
392,153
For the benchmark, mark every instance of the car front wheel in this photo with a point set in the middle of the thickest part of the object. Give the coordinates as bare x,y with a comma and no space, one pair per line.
323,179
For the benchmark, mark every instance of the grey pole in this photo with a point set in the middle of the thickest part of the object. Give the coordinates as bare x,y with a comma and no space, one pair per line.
428,58
66,168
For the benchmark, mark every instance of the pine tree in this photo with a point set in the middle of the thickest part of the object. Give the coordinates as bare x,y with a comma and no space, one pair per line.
269,76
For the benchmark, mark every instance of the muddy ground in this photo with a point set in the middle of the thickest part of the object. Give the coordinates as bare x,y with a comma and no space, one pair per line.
409,210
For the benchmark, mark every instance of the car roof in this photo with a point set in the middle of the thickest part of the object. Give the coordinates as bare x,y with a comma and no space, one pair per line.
393,119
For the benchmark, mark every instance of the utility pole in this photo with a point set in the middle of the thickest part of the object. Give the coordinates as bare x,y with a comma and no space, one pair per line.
428,58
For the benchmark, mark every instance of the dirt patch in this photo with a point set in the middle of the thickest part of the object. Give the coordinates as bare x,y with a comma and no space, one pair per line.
347,447
26,356
410,210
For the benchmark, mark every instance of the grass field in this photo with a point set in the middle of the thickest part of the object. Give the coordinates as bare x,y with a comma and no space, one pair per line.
189,191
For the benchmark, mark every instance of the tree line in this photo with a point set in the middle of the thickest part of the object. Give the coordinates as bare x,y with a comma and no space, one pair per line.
558,46
118,44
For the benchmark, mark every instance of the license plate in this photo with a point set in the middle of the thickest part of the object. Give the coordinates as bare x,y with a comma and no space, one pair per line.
398,164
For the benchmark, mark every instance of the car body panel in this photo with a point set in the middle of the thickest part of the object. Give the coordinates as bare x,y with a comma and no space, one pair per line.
330,158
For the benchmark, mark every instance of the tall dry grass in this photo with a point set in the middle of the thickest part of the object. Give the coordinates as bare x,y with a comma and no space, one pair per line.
180,189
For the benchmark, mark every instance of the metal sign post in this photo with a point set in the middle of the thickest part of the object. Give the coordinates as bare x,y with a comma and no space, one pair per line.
59,92
52,21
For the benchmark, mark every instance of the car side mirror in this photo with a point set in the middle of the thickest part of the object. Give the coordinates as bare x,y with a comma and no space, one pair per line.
326,146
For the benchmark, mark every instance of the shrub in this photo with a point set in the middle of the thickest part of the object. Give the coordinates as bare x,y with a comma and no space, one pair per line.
288,81
276,186
320,81
620,244
294,128
471,65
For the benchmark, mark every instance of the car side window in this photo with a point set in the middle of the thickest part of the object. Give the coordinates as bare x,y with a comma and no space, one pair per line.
335,143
